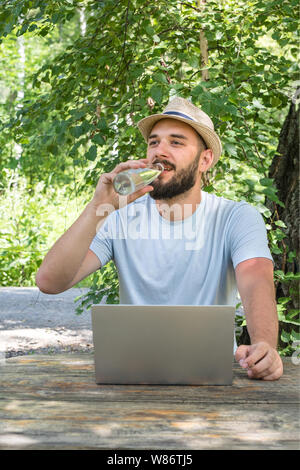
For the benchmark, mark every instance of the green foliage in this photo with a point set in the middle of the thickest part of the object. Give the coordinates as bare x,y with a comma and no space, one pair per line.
32,219
87,86
134,50
104,287
22,234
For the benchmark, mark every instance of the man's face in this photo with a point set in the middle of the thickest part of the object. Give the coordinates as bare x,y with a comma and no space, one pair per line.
176,145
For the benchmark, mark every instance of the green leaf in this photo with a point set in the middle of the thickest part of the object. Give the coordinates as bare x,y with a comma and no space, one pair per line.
285,336
266,181
92,153
276,250
247,87
270,192
291,256
197,91
295,335
292,276
159,77
102,124
257,104
149,30
98,139
291,317
279,223
275,101
230,148
78,131
156,92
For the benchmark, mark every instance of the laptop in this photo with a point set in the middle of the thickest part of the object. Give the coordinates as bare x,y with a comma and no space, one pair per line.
160,344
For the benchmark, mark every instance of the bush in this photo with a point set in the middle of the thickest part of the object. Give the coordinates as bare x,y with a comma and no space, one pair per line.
32,220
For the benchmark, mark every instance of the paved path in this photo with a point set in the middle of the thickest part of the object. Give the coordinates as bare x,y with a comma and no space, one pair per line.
32,322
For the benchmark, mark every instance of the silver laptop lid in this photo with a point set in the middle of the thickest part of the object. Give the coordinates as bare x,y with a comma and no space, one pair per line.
154,344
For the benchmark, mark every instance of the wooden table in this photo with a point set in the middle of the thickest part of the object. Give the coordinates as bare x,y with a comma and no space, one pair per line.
53,402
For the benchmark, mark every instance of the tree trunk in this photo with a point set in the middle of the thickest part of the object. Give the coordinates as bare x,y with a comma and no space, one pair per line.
285,172
203,47
20,95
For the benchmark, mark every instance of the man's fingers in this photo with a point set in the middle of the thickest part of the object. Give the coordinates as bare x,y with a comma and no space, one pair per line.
123,166
256,353
262,368
268,374
261,361
242,352
128,199
269,368
274,375
141,192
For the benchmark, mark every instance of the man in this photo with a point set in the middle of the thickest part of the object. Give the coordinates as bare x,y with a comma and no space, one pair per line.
177,244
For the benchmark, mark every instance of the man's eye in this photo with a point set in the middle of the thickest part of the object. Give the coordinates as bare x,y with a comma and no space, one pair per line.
176,142
152,142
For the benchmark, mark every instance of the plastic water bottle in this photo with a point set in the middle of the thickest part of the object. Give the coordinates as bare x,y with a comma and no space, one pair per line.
129,181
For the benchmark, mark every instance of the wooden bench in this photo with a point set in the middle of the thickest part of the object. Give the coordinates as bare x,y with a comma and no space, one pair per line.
53,402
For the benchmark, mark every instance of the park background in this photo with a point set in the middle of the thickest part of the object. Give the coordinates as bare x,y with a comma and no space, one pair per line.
76,77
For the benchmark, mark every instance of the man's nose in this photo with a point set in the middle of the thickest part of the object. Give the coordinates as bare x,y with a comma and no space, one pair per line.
162,149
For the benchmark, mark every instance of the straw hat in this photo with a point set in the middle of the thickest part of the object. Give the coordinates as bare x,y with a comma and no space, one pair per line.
183,110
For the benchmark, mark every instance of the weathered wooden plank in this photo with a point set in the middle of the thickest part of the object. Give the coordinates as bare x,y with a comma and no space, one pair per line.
71,377
66,425
53,402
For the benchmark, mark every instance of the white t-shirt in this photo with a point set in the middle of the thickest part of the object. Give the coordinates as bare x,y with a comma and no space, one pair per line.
187,262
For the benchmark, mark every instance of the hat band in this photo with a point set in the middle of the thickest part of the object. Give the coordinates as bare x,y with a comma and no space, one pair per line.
176,113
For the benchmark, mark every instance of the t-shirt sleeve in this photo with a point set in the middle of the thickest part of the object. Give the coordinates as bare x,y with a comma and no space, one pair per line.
248,235
102,243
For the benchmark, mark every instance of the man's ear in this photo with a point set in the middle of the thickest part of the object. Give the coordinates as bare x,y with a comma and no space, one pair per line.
206,160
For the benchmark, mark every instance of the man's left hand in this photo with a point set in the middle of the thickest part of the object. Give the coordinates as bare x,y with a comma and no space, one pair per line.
261,360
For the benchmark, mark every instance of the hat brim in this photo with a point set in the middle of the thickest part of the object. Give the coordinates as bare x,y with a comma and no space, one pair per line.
210,138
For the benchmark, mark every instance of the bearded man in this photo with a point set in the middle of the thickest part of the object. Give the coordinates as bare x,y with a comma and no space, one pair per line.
172,242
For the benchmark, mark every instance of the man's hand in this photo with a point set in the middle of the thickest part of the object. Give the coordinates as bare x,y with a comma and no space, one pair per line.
261,360
105,197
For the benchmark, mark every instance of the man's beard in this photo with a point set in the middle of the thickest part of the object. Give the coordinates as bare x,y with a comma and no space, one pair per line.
180,183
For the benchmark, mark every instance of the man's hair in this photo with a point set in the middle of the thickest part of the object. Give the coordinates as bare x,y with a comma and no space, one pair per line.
201,144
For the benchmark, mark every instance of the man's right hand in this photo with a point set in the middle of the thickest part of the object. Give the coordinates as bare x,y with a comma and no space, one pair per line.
70,260
106,199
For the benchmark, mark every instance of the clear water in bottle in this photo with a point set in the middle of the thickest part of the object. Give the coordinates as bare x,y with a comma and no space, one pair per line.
129,181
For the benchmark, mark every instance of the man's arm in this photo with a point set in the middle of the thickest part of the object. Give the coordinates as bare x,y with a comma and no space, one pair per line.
70,260
256,287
